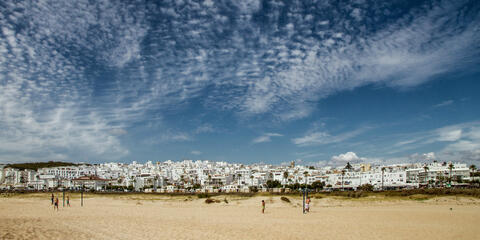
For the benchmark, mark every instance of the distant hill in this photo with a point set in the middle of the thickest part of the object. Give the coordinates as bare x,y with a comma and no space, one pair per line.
37,165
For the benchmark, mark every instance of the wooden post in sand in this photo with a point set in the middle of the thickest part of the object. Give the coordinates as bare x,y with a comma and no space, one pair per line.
82,196
303,194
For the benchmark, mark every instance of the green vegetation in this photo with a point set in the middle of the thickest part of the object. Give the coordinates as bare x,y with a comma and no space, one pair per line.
415,194
317,185
37,165
273,184
202,195
348,194
366,187
474,192
209,200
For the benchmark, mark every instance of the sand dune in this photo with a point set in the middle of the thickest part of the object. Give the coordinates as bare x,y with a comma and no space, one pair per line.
162,217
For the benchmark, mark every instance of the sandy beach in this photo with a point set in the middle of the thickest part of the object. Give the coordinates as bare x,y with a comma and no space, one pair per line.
181,217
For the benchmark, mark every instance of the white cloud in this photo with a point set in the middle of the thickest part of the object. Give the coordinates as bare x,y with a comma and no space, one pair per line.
267,137
461,143
425,157
196,152
45,95
449,135
357,14
248,6
168,136
53,95
208,3
321,138
444,103
205,128
118,131
325,22
403,54
313,138
463,150
348,157
176,137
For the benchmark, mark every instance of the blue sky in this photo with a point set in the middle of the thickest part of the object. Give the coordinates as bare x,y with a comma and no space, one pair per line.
319,82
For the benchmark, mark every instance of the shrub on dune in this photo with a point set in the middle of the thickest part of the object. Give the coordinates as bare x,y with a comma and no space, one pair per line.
209,200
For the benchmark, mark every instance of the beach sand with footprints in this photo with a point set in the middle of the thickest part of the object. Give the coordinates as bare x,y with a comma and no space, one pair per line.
144,216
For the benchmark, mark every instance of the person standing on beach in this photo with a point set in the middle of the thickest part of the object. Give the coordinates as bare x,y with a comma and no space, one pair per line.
53,198
307,204
263,206
68,200
56,204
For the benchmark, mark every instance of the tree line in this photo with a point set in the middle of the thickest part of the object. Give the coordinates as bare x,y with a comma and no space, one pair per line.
36,165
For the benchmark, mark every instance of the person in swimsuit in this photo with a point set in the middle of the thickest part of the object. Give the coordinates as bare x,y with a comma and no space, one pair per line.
263,206
53,198
307,204
68,200
56,204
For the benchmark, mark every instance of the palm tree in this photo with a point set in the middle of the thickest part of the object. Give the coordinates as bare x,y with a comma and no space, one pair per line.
343,174
238,177
285,176
165,180
348,166
426,173
383,173
450,167
155,179
472,169
439,180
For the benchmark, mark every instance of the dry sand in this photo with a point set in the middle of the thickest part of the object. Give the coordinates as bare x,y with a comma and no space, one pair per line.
163,217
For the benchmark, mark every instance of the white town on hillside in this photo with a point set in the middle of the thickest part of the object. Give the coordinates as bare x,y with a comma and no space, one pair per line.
208,176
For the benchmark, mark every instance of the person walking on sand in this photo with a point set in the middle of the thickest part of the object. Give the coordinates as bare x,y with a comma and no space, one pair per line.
307,204
53,198
56,204
68,200
263,206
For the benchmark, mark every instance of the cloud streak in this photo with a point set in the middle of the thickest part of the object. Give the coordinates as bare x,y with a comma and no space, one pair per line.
322,138
75,76
267,137
460,141
45,91
196,152
444,103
